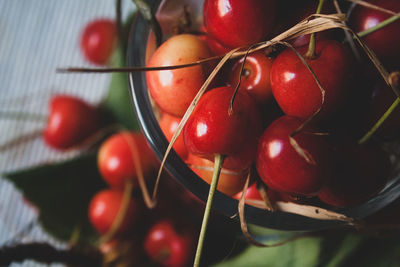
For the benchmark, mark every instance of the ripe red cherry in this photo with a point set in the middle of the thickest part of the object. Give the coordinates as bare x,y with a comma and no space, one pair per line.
71,121
255,76
115,158
230,181
282,168
212,130
98,40
237,23
174,90
168,245
295,89
359,173
168,125
104,207
384,42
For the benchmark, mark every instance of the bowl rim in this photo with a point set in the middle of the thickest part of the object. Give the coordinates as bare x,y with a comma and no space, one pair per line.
175,166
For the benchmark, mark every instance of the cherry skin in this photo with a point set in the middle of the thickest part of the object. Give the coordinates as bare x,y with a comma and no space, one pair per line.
215,46
237,23
230,181
174,90
282,168
385,41
115,158
98,40
255,76
212,130
359,173
71,121
104,207
251,193
168,246
168,125
295,89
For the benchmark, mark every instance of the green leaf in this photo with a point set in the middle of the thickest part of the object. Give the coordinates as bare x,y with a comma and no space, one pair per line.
298,253
62,193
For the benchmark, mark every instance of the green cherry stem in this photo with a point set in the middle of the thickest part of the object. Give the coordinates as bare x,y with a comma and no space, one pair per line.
218,161
311,46
379,26
374,128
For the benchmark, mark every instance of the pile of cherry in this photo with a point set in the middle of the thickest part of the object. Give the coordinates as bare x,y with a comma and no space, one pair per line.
304,144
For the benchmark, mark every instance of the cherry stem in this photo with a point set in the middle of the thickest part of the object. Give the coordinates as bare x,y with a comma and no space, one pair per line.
121,213
382,119
311,47
393,79
218,161
379,26
16,115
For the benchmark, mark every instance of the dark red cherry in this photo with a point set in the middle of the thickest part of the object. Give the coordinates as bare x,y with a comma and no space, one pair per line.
360,171
255,76
384,42
170,245
98,40
283,168
71,121
236,22
294,87
116,162
104,207
212,130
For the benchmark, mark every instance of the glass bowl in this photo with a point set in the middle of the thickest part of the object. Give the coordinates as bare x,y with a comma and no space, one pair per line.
140,41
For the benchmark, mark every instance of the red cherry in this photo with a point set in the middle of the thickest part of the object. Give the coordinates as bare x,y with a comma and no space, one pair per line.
237,23
98,40
168,125
230,181
71,121
294,87
104,207
384,42
174,90
282,168
212,130
359,173
215,46
115,158
251,193
255,76
168,245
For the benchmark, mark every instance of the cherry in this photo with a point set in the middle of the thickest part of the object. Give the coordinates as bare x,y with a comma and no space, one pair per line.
385,41
168,125
237,23
283,168
294,87
251,193
215,46
255,76
104,207
98,40
174,90
115,158
360,172
230,181
212,130
169,245
71,121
